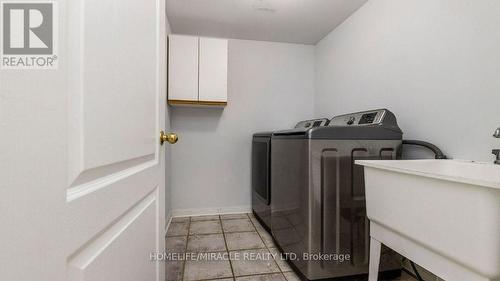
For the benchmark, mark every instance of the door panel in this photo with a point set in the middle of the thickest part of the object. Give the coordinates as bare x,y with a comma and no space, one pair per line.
121,252
114,103
91,213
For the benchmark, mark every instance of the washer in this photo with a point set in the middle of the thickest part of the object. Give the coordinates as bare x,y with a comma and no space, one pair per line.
261,170
318,208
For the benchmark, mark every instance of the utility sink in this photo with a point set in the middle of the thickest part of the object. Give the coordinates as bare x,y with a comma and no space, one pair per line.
442,214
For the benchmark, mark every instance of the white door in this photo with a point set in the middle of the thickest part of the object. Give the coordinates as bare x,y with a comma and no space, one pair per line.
81,168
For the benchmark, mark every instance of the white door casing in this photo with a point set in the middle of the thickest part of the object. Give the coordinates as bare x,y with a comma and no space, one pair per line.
81,168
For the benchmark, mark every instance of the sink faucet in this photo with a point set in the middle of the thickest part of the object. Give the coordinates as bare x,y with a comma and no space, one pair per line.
496,151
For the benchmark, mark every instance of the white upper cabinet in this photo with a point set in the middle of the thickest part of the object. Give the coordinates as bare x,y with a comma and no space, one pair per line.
213,70
197,70
182,68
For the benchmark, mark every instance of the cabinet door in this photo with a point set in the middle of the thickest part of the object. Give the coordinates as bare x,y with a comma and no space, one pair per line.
213,70
182,68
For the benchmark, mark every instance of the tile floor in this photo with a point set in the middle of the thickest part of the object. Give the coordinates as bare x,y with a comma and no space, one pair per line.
223,239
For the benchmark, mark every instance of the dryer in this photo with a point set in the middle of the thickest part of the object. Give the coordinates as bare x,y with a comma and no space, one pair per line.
261,177
318,208
261,170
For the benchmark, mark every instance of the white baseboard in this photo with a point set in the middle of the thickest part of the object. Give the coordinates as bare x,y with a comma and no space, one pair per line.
168,218
210,211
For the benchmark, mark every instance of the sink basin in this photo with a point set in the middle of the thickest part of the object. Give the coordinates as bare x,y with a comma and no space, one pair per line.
442,214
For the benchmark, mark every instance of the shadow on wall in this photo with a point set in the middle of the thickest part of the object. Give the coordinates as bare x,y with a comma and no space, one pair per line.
197,119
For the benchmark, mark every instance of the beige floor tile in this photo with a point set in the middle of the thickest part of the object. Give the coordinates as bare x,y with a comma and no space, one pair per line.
205,218
280,260
203,243
207,269
267,238
258,226
180,219
243,241
176,244
252,262
237,225
174,270
234,216
291,276
205,227
178,229
253,218
264,277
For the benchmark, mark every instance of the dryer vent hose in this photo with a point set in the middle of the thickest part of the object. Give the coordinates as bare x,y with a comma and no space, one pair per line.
437,152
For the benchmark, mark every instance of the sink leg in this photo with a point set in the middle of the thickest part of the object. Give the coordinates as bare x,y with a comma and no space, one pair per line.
375,247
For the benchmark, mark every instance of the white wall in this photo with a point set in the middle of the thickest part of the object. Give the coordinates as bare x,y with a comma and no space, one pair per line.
435,64
270,86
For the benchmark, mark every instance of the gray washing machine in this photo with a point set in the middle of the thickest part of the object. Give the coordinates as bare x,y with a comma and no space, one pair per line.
318,208
261,170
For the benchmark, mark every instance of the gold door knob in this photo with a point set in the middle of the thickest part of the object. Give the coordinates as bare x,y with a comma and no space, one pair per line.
170,137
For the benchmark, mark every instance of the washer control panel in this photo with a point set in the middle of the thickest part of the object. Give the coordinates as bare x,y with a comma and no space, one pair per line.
308,124
372,117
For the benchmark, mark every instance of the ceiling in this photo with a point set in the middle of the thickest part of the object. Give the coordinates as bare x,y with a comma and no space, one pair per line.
292,21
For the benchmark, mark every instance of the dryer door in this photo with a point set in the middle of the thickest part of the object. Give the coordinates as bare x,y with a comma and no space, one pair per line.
261,152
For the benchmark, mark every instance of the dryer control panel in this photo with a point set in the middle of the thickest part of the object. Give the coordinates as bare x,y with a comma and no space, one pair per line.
308,124
372,117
